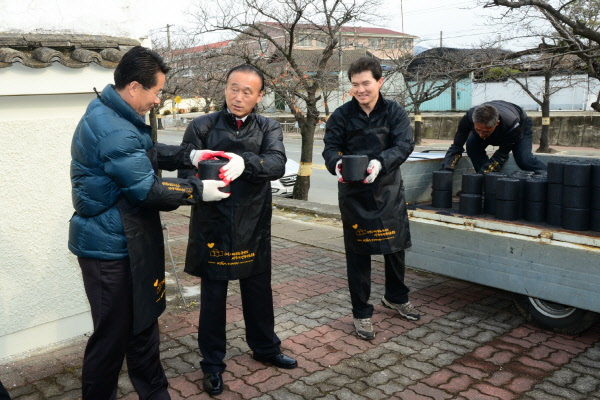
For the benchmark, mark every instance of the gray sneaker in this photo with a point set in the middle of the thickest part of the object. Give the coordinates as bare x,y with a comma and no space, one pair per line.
407,310
364,328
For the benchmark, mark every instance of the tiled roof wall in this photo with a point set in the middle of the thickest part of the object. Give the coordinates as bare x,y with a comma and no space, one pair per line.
70,50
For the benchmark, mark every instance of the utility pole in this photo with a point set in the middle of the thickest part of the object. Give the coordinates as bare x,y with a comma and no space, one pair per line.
341,73
440,39
402,16
169,38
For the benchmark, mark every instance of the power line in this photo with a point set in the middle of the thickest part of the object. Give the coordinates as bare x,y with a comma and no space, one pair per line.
440,8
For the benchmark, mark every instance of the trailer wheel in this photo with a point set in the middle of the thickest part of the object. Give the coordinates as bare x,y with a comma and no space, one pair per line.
554,316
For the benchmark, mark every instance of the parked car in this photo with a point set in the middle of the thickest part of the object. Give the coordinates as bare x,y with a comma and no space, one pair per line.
284,186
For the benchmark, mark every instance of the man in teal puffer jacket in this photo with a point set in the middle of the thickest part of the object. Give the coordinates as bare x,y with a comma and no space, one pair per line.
116,232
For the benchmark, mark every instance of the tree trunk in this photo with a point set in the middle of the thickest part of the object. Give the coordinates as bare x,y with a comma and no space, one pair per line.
153,124
453,97
544,138
326,103
418,126
302,186
544,145
307,130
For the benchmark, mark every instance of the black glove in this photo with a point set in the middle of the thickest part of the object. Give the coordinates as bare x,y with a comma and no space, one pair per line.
491,166
450,162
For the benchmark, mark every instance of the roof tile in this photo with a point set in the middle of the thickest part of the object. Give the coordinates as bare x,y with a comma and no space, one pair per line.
70,50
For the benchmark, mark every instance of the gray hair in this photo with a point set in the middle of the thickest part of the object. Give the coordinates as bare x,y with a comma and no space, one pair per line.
486,114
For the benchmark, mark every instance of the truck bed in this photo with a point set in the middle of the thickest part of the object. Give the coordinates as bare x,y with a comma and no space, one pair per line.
533,259
536,260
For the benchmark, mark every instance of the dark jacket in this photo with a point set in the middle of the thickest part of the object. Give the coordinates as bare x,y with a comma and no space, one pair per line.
117,196
513,121
231,239
372,209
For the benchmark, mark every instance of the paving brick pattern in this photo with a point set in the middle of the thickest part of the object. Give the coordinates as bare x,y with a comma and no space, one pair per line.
471,343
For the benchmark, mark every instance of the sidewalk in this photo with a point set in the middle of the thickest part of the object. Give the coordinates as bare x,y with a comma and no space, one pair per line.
471,343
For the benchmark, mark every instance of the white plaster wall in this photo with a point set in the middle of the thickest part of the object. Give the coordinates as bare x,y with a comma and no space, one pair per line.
21,80
566,99
42,300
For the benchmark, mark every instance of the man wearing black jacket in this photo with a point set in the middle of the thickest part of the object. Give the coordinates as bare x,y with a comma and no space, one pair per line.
232,240
495,123
374,211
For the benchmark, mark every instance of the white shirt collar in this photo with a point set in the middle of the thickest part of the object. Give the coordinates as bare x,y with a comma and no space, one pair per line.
236,118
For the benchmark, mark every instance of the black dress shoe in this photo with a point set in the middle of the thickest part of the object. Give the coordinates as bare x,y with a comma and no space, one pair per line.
213,383
278,360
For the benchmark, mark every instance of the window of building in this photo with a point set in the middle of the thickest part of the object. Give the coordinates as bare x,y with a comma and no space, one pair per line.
374,42
320,42
262,45
305,41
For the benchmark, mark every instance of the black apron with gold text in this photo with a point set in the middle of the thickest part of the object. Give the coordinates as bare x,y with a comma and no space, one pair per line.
146,248
231,238
143,231
374,215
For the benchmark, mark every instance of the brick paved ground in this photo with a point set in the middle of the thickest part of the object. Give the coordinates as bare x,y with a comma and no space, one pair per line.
470,344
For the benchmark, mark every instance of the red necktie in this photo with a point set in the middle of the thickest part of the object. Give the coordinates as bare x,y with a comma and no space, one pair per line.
239,123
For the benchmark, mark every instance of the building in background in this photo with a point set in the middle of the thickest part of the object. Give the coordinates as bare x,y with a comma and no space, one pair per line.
203,68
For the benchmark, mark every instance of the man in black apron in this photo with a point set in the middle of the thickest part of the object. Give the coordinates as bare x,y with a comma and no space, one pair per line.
495,123
232,239
116,232
373,211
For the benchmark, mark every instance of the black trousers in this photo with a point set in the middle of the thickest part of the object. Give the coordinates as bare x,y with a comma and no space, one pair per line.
257,305
109,291
359,281
3,393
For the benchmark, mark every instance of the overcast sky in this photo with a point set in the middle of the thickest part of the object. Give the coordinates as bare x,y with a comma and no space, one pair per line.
462,23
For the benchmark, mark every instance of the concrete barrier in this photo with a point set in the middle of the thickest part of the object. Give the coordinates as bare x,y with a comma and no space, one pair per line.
572,129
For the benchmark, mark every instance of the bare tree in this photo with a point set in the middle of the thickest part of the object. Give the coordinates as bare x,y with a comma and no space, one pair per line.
571,25
431,73
550,68
267,35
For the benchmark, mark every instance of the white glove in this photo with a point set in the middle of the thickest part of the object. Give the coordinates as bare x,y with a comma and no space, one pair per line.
233,169
211,192
373,170
198,155
338,170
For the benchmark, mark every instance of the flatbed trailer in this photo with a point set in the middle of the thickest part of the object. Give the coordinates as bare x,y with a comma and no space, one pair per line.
553,273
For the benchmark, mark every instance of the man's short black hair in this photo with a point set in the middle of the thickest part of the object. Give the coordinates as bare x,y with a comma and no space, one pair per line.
486,114
141,65
365,64
248,68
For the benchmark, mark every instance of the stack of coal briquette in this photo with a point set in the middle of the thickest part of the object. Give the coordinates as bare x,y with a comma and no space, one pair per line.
595,219
441,195
571,201
471,198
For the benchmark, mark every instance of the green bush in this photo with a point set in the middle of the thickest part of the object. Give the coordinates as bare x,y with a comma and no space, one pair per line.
499,73
166,112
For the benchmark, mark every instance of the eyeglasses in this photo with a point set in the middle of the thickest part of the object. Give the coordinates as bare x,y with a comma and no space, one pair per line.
158,95
485,132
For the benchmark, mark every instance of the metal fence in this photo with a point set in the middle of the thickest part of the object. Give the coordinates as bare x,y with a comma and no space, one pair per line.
292,129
